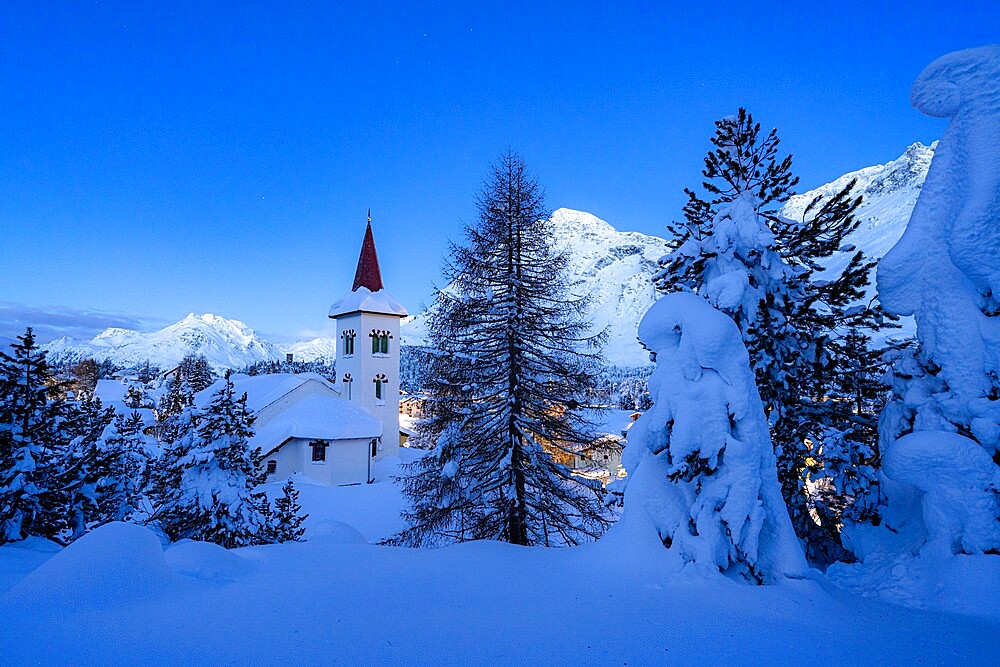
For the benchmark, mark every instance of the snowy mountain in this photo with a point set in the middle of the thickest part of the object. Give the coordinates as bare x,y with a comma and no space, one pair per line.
616,267
888,193
317,349
613,267
225,343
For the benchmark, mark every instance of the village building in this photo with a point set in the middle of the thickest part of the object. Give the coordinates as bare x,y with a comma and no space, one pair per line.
333,432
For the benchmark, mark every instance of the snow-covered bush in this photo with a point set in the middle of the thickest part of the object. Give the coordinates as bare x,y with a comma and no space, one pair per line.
701,463
945,272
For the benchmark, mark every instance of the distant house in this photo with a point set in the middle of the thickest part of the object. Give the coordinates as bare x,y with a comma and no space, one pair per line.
304,426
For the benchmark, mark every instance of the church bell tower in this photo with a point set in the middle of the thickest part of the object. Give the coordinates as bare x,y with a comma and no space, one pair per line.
368,321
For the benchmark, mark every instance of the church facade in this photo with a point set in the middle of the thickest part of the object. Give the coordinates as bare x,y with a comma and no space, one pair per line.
333,432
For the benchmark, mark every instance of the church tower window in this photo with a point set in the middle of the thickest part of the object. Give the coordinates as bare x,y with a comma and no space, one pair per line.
380,381
349,337
348,383
380,342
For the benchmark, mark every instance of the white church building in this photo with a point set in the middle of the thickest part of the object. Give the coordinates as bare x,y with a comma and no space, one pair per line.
332,432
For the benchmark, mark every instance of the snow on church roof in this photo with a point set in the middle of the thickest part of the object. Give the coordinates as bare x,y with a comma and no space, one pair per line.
318,417
364,300
261,390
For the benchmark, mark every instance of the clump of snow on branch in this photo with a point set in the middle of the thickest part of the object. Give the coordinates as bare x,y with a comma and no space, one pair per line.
702,468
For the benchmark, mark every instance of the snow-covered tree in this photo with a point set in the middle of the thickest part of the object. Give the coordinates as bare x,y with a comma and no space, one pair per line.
942,427
766,273
172,410
195,372
82,468
210,475
633,394
288,517
701,465
511,364
28,436
125,489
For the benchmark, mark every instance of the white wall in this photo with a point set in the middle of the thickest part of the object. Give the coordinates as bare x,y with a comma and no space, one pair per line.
364,366
347,462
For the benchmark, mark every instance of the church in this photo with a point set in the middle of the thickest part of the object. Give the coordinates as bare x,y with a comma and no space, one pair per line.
333,432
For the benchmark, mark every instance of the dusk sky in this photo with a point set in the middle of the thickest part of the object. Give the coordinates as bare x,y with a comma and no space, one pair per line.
163,158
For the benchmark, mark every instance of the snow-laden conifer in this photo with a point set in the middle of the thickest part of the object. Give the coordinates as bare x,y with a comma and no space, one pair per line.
512,361
28,435
210,475
288,517
701,465
766,273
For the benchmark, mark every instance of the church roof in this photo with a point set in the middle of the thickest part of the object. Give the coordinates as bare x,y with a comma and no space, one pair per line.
367,295
368,274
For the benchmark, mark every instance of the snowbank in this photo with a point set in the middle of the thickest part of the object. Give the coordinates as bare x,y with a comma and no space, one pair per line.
960,488
118,561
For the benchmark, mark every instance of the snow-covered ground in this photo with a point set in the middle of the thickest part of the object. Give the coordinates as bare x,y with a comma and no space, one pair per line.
115,597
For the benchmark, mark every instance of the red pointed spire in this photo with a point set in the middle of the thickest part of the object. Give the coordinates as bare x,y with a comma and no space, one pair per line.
368,274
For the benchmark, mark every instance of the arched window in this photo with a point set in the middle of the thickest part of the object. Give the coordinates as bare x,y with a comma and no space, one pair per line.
349,337
380,381
380,341
348,383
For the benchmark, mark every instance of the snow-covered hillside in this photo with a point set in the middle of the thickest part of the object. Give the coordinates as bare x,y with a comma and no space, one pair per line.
225,343
616,267
613,267
888,193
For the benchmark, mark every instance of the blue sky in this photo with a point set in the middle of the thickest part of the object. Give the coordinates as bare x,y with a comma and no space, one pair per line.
163,158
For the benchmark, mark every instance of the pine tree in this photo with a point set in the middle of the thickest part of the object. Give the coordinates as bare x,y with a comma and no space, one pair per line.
288,517
196,373
210,477
28,438
81,469
171,410
504,384
764,271
124,490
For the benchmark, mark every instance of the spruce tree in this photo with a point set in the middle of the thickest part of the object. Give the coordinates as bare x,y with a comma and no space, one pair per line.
29,437
83,468
171,411
512,361
210,477
124,491
196,373
288,517
766,272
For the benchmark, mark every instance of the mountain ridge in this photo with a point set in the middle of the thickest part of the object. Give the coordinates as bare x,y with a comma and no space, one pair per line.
614,267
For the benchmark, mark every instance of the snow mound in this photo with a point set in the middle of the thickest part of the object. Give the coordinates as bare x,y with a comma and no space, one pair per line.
702,468
206,561
960,485
114,562
335,532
